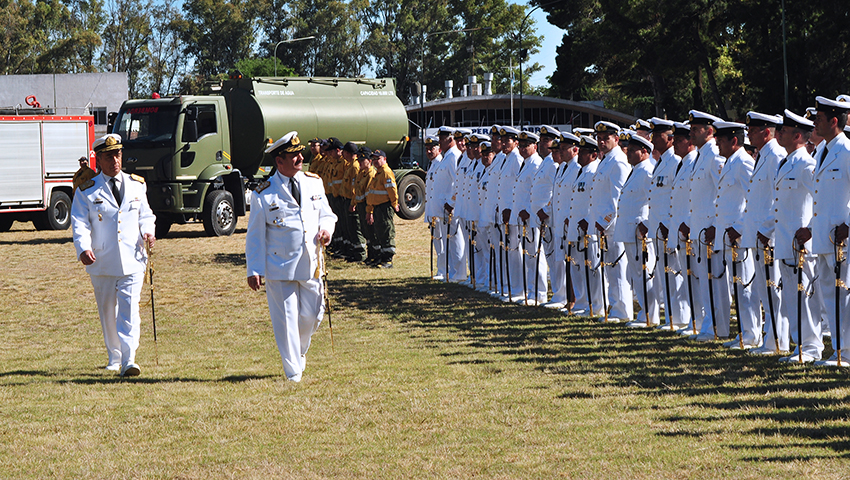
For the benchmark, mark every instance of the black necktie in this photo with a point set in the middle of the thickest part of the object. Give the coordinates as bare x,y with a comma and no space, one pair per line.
296,192
823,157
116,192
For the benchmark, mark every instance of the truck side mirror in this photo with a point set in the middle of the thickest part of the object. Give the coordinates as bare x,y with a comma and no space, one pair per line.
190,126
110,121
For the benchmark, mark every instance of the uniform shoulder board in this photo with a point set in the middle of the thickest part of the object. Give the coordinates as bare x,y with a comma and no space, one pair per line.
262,186
311,174
86,185
137,178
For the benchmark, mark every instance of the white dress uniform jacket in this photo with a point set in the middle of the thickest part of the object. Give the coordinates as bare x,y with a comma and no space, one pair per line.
605,193
731,199
832,193
281,239
432,208
634,202
680,208
760,191
703,189
660,192
112,232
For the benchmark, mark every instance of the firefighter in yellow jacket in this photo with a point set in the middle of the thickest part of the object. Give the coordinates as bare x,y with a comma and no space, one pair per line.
381,203
355,243
358,204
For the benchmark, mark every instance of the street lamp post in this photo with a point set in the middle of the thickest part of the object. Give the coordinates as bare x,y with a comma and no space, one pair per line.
519,39
287,41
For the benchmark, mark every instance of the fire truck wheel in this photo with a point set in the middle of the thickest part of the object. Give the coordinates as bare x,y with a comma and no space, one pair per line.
58,213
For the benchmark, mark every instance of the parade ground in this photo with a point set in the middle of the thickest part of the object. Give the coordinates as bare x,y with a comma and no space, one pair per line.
422,379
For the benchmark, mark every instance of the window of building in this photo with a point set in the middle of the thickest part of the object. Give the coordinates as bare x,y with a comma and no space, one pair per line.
100,117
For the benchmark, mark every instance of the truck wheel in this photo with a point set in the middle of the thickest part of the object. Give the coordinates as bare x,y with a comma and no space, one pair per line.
219,219
411,193
6,222
58,213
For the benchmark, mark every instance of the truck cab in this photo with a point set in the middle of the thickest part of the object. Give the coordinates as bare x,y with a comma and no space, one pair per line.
181,146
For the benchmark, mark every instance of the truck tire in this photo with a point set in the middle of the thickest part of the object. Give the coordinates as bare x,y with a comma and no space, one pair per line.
411,195
6,221
219,218
58,213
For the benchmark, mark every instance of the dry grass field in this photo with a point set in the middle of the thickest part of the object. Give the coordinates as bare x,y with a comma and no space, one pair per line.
425,380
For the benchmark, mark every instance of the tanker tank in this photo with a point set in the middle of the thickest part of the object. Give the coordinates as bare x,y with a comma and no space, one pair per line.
365,111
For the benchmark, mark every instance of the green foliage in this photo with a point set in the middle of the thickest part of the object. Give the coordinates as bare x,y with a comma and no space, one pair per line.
414,41
263,67
126,40
167,64
216,33
721,56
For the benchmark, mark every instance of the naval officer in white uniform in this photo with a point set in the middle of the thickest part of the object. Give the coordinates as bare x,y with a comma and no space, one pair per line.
111,222
290,217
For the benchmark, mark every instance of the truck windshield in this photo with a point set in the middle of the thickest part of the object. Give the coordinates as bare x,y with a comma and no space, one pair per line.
149,124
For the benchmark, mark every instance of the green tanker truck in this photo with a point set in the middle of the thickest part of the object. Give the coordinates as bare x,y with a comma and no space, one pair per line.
199,154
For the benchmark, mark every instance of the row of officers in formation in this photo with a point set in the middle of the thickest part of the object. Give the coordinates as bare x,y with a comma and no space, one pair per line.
362,192
687,217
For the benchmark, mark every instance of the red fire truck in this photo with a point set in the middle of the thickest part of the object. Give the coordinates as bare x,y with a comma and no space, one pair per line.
39,153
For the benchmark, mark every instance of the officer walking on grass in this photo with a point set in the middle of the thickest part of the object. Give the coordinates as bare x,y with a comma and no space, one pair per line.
111,222
290,218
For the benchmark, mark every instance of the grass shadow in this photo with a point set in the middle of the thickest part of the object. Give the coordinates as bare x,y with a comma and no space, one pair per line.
650,362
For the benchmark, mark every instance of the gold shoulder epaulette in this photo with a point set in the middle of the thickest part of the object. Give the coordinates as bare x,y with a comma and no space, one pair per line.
88,184
137,178
262,186
311,174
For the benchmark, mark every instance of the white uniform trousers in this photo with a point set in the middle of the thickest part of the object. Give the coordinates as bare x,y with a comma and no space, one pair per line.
749,311
463,228
457,252
581,275
825,271
720,279
636,274
697,308
809,322
514,261
500,260
620,299
482,253
535,269
556,251
762,291
296,308
118,307
676,307
440,247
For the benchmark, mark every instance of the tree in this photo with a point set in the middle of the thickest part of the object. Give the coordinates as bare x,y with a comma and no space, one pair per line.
336,51
126,40
216,34
720,56
167,63
413,40
87,20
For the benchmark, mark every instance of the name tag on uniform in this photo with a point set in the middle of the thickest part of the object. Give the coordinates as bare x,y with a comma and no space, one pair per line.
273,207
98,201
